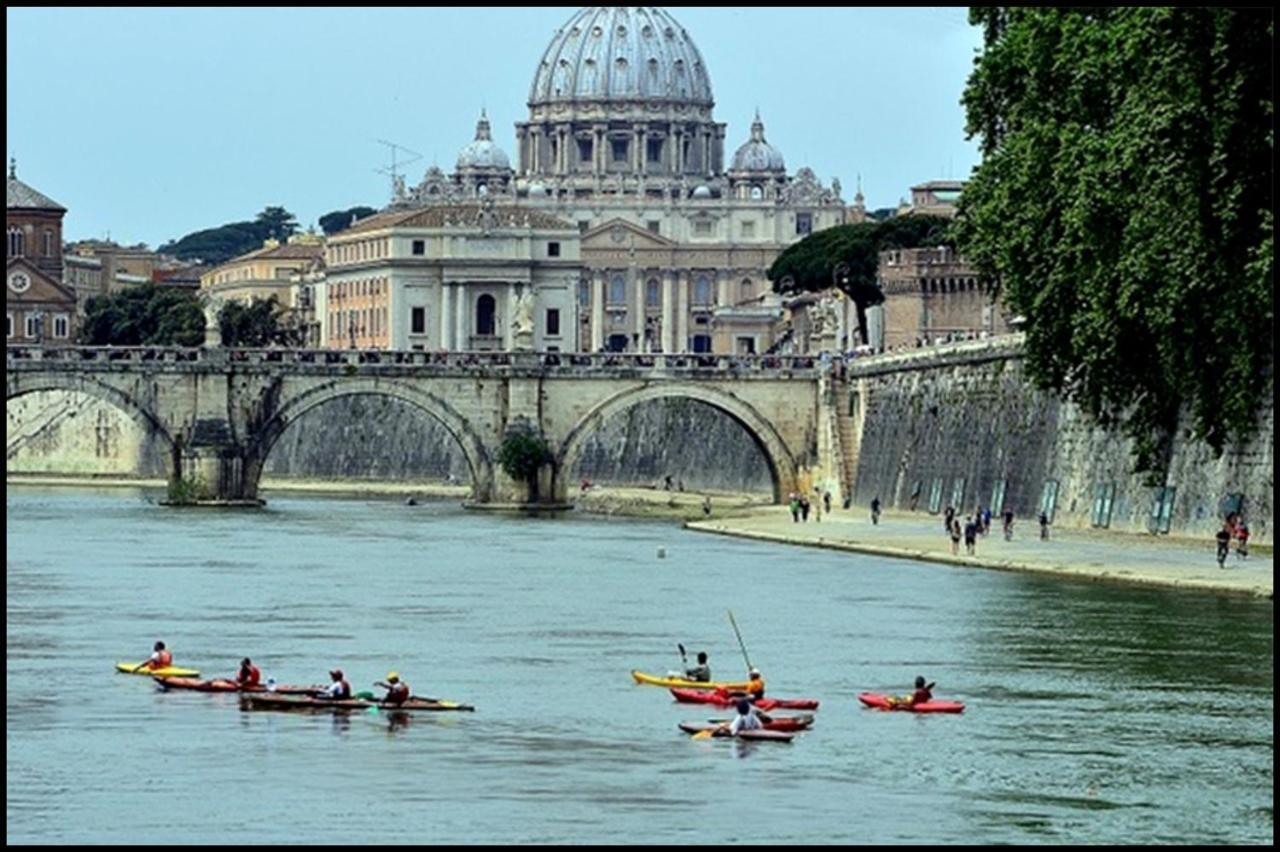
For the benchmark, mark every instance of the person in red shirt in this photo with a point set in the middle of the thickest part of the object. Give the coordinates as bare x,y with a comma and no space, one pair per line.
159,659
249,674
397,690
923,693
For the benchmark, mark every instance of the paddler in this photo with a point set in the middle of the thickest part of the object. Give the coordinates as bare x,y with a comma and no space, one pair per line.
397,690
922,695
746,720
159,659
339,690
701,672
248,675
755,684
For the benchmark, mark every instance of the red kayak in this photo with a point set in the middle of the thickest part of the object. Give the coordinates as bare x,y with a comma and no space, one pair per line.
772,736
775,723
698,696
220,684
882,702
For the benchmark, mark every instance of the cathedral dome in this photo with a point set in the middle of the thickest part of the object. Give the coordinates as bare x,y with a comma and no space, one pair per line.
618,53
482,153
757,155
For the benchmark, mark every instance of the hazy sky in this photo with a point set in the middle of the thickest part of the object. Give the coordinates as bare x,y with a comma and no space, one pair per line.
151,123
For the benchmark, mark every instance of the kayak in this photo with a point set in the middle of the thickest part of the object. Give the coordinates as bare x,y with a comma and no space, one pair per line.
881,702
168,671
695,696
220,684
657,680
775,723
771,736
267,701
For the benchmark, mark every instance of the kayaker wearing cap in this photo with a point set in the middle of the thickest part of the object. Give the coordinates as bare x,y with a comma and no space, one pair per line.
249,674
397,690
746,720
755,684
159,659
701,672
338,690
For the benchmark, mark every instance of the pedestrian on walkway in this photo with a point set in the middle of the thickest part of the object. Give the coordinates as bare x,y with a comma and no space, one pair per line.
804,509
826,501
793,503
1008,525
986,521
875,509
954,532
1224,543
970,534
947,518
1044,526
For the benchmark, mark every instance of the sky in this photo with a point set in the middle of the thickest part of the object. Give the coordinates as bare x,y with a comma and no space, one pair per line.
147,124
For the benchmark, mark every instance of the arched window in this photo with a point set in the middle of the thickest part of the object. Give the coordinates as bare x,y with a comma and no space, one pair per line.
617,290
17,245
702,290
485,309
756,193
653,293
48,242
746,290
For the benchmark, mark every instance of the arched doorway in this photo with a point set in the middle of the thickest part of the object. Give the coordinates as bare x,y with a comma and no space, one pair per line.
486,319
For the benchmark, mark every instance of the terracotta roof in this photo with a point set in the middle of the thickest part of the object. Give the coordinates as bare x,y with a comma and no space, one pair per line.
19,195
459,215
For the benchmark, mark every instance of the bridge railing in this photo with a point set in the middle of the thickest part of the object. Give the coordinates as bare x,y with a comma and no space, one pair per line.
542,361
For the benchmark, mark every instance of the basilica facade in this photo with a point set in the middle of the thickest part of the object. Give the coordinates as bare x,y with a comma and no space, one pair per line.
671,239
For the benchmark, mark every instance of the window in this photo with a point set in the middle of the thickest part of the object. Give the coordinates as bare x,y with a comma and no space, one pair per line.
804,223
48,242
756,193
702,228
584,293
1161,509
9,332
1103,495
746,346
746,290
553,249
61,326
583,225
485,320
655,227
553,322
32,326
418,323
655,150
1049,499
419,247
748,230
617,343
702,290
17,243
619,147
19,283
702,343
617,290
653,293
584,152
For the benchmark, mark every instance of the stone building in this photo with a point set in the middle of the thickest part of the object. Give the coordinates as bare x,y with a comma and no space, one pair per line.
39,307
463,276
622,142
933,294
286,271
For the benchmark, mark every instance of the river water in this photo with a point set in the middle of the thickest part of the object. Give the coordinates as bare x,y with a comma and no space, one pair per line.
1096,713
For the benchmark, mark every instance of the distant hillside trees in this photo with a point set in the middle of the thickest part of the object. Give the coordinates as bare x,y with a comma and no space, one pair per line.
218,245
340,220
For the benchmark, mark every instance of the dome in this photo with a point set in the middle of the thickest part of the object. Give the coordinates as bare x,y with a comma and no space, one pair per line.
758,155
483,153
612,53
702,191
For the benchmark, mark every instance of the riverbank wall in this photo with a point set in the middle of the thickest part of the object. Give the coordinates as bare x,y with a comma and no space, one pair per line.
963,426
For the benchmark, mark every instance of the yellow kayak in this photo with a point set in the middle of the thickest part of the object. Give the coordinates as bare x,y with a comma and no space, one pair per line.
168,671
679,682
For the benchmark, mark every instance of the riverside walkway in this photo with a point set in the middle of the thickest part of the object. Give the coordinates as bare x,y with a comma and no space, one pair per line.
1088,555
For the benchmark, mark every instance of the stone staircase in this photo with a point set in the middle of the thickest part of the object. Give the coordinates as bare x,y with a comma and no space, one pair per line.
845,441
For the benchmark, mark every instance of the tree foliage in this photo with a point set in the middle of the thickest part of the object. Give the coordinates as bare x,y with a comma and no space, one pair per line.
146,315
218,245
808,266
522,455
1123,204
262,322
340,220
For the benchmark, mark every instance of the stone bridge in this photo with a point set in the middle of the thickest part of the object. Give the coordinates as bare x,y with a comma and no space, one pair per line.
219,411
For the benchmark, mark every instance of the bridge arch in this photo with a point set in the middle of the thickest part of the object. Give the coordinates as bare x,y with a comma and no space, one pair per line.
91,386
782,464
296,407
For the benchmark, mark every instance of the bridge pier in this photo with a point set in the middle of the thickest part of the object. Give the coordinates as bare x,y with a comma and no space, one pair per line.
212,475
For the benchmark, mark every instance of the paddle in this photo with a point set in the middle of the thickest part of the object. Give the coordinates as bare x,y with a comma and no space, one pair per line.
709,732
740,643
683,657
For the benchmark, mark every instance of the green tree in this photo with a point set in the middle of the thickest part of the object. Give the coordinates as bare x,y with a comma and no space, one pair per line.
262,322
522,455
276,223
218,245
810,265
146,315
340,220
1123,204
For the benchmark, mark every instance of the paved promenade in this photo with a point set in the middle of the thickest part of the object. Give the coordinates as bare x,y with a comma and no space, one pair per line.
1107,557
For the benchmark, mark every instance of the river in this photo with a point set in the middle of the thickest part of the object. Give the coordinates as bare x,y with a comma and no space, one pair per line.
1095,713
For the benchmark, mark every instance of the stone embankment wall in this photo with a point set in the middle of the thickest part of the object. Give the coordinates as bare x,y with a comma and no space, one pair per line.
384,439
961,420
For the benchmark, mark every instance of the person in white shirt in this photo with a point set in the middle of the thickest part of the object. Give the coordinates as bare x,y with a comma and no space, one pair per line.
746,720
